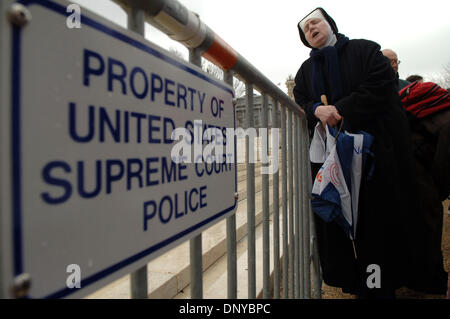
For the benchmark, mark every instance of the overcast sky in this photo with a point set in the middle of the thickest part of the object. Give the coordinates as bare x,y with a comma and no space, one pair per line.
265,32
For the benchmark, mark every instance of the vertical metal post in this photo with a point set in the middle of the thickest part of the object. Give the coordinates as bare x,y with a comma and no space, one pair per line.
284,202
138,280
294,221
196,265
231,233
301,165
265,204
250,147
317,277
276,209
304,167
291,206
139,283
306,220
136,21
317,280
297,196
195,245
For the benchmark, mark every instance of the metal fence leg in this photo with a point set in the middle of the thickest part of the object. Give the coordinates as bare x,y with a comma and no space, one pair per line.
250,198
139,284
265,202
136,21
306,239
196,267
196,264
291,206
138,281
317,277
306,220
231,234
276,210
297,217
231,258
284,200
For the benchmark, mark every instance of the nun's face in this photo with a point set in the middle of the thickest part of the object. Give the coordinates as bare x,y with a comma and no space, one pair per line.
316,32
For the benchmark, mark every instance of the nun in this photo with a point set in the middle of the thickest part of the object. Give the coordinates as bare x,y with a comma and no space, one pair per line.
360,87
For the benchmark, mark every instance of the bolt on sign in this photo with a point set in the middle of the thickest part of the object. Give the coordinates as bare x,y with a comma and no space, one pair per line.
89,190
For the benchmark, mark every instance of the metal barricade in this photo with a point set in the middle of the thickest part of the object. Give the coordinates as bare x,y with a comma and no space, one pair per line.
291,270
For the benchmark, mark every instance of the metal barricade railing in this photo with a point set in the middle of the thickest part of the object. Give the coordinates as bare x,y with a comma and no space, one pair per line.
293,275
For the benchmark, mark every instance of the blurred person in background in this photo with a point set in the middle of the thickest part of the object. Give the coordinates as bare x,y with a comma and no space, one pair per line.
395,62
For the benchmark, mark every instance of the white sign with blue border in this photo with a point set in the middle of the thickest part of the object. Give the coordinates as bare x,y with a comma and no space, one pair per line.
87,177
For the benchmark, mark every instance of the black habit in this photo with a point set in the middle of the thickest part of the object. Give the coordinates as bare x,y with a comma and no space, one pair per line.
387,217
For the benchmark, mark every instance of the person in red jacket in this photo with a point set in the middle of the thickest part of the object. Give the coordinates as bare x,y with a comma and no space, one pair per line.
427,106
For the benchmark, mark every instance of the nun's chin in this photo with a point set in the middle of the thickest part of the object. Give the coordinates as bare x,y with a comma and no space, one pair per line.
319,44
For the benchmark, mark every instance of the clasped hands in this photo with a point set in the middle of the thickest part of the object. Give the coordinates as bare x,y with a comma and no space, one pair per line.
328,114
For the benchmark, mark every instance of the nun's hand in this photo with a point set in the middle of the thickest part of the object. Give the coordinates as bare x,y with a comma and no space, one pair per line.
328,114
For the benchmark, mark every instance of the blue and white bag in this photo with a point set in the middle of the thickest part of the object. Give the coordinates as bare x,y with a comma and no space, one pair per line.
337,184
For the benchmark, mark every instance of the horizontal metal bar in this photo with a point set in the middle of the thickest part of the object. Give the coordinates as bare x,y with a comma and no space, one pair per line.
186,27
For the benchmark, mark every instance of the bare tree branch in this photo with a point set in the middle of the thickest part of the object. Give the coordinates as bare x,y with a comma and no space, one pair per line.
443,78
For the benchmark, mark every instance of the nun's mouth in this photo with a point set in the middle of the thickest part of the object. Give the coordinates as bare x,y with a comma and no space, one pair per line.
315,34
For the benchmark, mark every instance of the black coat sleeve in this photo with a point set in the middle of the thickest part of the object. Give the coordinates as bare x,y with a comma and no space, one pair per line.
441,163
374,91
